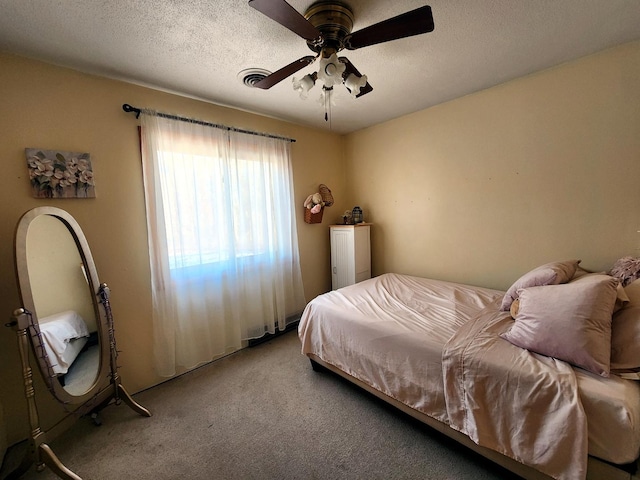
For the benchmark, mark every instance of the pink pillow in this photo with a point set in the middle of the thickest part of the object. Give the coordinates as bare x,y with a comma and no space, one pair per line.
570,322
625,332
552,273
581,272
621,295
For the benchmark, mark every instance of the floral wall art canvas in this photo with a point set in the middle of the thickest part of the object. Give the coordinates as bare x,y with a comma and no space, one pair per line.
56,174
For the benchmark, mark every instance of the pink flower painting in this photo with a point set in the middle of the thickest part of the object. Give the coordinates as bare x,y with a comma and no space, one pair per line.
55,174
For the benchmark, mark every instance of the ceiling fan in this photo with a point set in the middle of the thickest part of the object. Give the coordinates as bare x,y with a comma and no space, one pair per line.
326,26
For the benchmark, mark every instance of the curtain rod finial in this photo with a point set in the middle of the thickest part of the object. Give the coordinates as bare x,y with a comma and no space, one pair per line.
128,108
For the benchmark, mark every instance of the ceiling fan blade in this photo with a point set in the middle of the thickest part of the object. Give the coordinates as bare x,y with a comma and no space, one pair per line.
287,16
284,72
349,69
408,24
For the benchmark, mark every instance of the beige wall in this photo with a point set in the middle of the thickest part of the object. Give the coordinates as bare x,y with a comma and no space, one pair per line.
482,188
47,107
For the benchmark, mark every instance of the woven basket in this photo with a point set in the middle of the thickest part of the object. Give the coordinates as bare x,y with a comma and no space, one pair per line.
327,198
313,217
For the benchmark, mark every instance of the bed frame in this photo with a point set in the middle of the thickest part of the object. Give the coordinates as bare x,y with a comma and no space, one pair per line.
597,469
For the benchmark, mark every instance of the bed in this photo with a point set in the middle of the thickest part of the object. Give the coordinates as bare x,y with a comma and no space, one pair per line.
63,337
453,356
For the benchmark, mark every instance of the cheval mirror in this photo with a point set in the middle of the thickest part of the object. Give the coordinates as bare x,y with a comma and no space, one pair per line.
66,318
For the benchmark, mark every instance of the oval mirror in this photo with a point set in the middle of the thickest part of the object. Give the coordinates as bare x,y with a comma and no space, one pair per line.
66,317
59,288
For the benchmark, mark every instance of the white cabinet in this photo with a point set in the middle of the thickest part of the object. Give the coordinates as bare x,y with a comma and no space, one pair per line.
350,254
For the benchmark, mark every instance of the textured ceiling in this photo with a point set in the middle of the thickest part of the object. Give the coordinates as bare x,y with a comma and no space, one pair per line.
197,48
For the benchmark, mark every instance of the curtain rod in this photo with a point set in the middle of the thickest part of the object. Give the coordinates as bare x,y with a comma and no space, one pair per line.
129,109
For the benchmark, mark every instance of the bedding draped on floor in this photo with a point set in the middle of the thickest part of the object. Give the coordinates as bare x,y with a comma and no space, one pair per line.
521,404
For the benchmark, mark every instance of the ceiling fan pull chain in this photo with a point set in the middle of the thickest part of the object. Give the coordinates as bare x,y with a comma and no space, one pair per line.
326,94
329,100
327,104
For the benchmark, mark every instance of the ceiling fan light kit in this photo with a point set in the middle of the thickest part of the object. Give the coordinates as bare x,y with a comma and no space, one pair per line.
330,70
326,27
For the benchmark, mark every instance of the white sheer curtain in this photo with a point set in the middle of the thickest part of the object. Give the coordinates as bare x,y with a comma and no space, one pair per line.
222,239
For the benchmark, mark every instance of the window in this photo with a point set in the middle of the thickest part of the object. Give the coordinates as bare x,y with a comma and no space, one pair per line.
217,223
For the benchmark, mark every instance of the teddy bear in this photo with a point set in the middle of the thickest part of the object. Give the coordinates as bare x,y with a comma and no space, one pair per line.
314,203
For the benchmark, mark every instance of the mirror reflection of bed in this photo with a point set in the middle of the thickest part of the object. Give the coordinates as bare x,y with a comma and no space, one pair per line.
63,304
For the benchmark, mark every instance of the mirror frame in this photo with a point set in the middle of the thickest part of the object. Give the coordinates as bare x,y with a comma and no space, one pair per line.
103,377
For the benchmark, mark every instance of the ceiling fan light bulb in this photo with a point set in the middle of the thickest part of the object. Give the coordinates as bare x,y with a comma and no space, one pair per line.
303,85
355,83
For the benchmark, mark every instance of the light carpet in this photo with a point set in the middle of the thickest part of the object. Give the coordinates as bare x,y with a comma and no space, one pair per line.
262,413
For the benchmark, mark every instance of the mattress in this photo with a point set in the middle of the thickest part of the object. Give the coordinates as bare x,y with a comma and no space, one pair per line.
389,333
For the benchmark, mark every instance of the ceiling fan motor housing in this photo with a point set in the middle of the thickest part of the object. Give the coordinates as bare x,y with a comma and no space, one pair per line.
334,20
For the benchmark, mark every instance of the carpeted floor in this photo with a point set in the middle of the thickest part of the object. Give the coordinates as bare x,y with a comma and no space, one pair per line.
261,413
